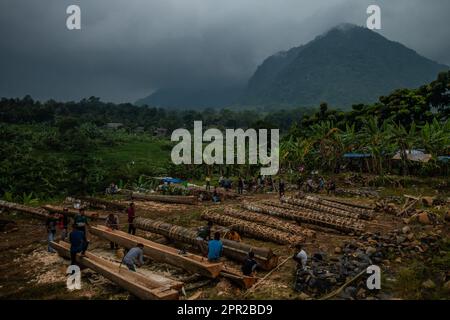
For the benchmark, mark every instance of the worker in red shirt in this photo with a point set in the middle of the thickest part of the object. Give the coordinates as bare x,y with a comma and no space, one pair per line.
131,215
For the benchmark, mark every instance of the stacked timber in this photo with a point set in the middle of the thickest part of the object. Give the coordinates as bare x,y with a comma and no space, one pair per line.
253,229
312,217
163,198
238,251
161,253
362,213
111,205
273,222
144,287
94,215
37,212
224,194
348,203
312,205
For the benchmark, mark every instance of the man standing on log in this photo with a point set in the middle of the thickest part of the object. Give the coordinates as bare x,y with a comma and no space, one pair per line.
131,215
134,257
208,183
215,248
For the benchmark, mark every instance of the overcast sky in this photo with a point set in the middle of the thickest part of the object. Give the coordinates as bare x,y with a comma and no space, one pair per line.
128,48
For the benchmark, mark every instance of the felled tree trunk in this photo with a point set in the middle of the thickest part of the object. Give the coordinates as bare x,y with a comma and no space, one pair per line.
165,199
38,212
302,215
232,249
253,229
316,205
354,212
272,222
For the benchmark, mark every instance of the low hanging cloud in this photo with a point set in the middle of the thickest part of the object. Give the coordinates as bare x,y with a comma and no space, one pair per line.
127,49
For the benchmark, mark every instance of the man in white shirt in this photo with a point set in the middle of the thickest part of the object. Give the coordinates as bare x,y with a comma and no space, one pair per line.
300,257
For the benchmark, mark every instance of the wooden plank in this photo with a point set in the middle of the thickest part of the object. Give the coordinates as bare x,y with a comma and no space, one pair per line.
137,284
242,281
161,253
94,215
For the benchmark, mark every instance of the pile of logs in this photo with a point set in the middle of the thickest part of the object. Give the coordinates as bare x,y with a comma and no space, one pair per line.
362,213
97,202
277,223
253,229
161,198
358,192
312,217
313,204
234,250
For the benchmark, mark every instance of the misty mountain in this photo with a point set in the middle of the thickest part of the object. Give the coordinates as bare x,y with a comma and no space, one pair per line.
345,66
193,98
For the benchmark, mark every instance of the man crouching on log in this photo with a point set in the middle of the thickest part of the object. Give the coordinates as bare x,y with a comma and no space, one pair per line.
134,257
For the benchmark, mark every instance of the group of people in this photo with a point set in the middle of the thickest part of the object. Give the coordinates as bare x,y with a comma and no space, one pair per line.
320,185
212,247
77,237
259,184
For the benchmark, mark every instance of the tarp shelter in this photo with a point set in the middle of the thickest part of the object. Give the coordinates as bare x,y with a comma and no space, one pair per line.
169,179
414,155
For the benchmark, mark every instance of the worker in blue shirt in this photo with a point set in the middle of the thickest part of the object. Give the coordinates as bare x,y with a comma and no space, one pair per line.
215,248
78,243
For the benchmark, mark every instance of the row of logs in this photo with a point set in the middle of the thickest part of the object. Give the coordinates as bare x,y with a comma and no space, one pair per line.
302,215
231,249
253,229
312,205
355,212
274,222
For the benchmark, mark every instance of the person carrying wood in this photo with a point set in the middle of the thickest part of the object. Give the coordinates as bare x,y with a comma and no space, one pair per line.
112,222
134,257
51,223
249,266
215,248
78,243
131,212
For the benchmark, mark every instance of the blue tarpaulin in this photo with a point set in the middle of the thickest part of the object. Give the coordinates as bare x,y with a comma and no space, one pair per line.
357,155
172,180
444,158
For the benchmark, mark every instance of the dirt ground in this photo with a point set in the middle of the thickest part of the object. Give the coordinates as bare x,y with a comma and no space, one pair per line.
28,271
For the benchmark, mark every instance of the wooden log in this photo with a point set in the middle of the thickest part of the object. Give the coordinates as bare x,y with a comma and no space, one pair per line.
353,212
141,286
160,252
273,222
166,199
308,203
231,249
348,203
253,230
37,212
242,281
111,205
303,215
94,215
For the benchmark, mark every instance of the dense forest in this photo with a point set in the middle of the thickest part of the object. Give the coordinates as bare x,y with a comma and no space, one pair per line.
51,149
